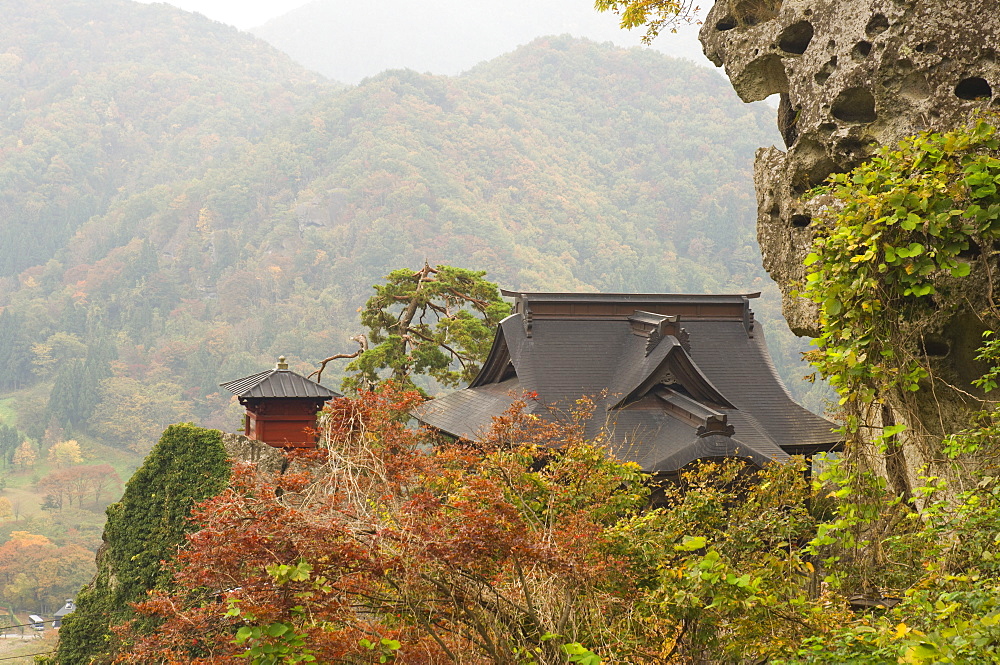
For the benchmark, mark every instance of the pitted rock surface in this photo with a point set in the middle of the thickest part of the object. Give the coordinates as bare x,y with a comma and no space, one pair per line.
242,449
852,75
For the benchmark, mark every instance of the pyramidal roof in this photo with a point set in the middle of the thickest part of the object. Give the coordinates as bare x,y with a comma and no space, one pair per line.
278,382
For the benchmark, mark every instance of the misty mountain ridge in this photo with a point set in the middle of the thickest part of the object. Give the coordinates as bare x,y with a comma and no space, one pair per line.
102,99
348,41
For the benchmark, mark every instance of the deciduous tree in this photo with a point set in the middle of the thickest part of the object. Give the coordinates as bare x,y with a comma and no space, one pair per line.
34,571
54,490
132,413
654,15
65,453
500,553
532,546
25,456
102,479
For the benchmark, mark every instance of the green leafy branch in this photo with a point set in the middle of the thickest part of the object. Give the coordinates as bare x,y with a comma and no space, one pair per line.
278,642
437,321
385,648
896,231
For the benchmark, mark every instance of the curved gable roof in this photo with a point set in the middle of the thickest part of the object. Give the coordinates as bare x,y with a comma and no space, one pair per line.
676,375
670,364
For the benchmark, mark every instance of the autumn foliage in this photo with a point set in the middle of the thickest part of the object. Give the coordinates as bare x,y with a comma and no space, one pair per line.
78,484
531,546
36,572
382,546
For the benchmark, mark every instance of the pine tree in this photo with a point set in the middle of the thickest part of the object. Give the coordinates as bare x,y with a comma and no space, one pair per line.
15,352
96,368
10,439
67,392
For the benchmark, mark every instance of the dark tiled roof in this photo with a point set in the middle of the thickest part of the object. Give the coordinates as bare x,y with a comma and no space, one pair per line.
469,413
277,383
678,378
68,608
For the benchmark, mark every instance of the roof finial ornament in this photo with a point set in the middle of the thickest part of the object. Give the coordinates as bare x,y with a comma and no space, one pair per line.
281,363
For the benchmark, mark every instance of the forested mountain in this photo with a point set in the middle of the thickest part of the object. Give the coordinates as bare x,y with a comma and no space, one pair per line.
182,203
348,41
101,99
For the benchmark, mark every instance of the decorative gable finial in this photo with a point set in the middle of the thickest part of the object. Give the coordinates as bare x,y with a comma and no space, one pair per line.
716,425
281,363
654,327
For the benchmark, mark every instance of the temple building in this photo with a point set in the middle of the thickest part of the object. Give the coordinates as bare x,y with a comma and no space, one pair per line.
676,378
281,406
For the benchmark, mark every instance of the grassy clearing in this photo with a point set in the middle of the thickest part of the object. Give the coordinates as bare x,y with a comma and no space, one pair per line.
7,413
20,491
32,642
21,479
125,462
20,483
28,503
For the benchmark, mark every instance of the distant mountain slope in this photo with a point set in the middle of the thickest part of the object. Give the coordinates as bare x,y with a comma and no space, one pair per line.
561,165
184,204
348,41
97,98
566,164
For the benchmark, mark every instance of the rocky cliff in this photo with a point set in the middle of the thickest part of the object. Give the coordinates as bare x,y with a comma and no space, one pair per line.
852,75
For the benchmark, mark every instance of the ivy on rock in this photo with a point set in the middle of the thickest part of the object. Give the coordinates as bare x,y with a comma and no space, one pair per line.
900,231
144,528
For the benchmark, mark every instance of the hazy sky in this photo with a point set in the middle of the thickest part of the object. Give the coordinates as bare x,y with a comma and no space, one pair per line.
241,13
245,14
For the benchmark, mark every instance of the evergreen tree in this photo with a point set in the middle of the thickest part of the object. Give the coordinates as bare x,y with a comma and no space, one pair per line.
74,394
65,399
15,352
10,439
141,266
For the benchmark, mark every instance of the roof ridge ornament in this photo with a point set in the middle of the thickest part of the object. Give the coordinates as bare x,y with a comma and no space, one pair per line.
654,338
657,326
716,425
282,365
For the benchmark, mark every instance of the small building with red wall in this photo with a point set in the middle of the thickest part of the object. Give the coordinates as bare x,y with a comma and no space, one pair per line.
281,406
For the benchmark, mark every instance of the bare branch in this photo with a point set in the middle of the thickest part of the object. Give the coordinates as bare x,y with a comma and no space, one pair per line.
439,343
362,342
483,304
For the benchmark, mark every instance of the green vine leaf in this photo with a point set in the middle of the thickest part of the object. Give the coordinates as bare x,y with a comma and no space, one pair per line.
899,227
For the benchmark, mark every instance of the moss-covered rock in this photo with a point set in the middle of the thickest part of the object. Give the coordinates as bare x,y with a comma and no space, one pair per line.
144,529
